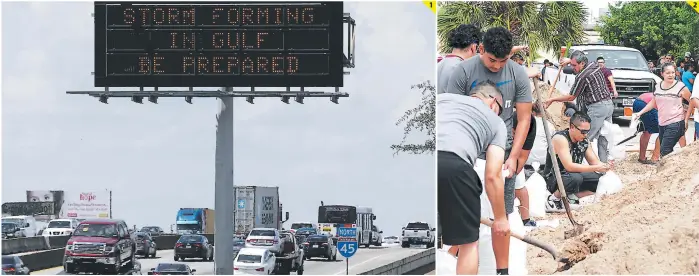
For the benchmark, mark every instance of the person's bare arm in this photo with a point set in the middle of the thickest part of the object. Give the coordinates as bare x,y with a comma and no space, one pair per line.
685,93
494,183
648,107
560,146
592,157
524,116
611,80
693,103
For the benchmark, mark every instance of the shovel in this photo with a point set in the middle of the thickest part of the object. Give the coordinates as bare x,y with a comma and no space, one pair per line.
454,251
577,228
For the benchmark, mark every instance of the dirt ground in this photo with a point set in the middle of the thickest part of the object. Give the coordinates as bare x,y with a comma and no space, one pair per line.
650,227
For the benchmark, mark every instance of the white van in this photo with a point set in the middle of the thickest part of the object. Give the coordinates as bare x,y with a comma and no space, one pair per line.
27,224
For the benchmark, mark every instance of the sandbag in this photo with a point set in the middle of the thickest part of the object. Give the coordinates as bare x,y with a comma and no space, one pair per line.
518,249
446,263
538,194
609,183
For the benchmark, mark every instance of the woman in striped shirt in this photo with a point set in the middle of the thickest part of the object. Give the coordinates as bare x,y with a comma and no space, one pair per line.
668,97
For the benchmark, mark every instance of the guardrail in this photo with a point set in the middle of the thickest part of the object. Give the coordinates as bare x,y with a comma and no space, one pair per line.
47,252
405,265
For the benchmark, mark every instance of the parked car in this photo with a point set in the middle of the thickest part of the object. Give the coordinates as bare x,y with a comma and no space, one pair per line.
145,245
172,269
194,246
13,265
254,261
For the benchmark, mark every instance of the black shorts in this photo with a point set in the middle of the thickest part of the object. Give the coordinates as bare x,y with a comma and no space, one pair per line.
458,199
531,134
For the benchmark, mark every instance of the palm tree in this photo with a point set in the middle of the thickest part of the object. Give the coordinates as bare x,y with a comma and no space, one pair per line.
540,25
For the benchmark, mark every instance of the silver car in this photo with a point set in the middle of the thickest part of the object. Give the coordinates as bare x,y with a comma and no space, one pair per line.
266,238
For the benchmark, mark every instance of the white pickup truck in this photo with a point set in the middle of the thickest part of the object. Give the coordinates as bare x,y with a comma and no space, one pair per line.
60,227
417,233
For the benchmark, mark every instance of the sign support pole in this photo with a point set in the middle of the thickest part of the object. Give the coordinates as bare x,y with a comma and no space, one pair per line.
223,188
347,262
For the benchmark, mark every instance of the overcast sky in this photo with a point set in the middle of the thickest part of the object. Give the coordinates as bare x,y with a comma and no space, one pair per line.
158,158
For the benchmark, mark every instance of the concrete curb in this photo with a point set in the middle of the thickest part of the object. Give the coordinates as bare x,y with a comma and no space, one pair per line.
404,265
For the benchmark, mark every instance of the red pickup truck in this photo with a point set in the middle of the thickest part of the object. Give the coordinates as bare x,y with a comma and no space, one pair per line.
99,245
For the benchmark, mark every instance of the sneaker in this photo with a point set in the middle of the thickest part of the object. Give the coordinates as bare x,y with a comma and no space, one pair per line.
554,205
530,223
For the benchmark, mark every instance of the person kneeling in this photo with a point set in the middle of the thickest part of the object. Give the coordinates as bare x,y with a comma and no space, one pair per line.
579,180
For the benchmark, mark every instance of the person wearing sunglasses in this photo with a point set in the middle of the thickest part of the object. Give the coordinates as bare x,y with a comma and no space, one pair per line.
579,180
467,127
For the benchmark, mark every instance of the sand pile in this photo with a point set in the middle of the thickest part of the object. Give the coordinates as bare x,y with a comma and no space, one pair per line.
555,110
651,227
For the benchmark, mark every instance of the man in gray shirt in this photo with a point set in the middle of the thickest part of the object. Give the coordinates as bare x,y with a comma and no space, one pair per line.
494,65
467,126
463,41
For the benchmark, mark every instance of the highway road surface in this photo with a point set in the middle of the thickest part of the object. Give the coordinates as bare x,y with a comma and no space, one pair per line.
365,259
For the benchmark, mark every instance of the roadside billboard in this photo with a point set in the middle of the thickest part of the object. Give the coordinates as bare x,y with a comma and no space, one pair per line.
76,204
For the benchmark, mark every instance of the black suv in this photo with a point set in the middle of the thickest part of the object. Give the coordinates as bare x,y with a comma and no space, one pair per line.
194,246
319,246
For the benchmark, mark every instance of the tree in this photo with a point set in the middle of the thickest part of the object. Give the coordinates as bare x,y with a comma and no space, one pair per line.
654,28
420,118
541,26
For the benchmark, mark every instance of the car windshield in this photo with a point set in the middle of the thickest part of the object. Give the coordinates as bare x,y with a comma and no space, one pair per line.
306,232
171,267
8,226
392,238
59,224
139,236
238,242
301,225
17,221
190,239
246,258
417,226
96,230
619,59
188,227
300,239
317,239
8,260
263,233
149,229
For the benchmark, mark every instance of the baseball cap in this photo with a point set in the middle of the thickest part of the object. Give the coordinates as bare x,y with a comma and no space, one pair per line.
687,54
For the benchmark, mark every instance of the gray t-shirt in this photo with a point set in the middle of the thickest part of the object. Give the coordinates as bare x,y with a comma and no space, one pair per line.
466,126
512,80
444,70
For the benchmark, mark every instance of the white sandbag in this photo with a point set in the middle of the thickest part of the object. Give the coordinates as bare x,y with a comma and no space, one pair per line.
518,249
536,186
446,263
609,183
520,180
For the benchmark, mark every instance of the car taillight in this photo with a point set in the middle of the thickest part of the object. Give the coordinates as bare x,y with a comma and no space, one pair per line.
156,273
235,268
276,241
178,244
249,241
197,244
260,269
10,269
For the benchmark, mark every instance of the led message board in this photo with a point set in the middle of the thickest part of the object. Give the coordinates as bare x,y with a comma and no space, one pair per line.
215,44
